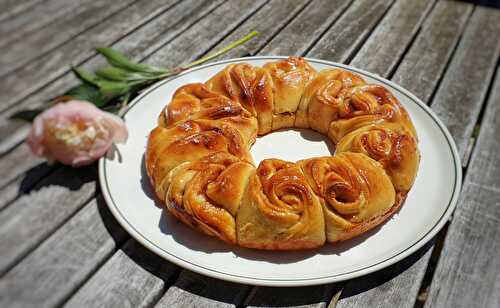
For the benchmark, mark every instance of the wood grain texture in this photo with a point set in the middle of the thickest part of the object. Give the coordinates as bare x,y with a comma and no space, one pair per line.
388,42
36,18
33,217
12,8
23,183
313,297
30,45
431,50
191,45
394,286
133,277
194,290
11,164
44,69
349,32
468,76
468,272
54,270
146,40
268,21
305,29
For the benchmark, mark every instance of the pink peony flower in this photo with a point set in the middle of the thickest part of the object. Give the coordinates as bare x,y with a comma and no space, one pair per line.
75,133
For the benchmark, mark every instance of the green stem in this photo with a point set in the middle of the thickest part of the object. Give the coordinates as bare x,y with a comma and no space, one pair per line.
209,57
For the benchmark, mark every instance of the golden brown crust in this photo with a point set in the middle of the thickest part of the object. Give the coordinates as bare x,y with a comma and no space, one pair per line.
279,210
374,222
323,100
290,77
189,141
368,104
353,189
198,158
392,145
249,86
193,198
195,101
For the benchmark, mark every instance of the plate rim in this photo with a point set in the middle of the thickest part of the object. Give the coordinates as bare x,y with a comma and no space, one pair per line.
303,281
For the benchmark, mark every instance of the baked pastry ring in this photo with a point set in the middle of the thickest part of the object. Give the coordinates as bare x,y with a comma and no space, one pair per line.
199,163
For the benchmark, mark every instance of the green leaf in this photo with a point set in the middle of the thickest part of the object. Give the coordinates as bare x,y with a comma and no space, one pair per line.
86,76
112,89
109,89
117,59
88,93
119,74
26,115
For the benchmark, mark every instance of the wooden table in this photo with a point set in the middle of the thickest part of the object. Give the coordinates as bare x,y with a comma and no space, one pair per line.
59,244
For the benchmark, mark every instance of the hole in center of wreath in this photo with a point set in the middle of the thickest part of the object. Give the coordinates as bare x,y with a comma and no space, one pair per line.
291,145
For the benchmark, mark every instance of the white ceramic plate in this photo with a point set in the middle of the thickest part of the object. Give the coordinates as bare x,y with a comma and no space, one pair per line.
428,206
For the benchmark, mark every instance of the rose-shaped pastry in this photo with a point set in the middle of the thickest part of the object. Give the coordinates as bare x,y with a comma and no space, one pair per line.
195,101
368,104
290,77
206,194
279,210
355,191
187,142
323,99
75,133
391,145
249,86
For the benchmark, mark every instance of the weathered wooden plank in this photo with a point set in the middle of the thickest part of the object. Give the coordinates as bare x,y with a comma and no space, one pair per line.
386,45
191,45
23,183
38,16
268,21
345,37
384,288
33,75
11,8
133,277
467,78
14,163
30,45
53,271
313,297
468,272
12,133
431,50
193,290
305,28
33,217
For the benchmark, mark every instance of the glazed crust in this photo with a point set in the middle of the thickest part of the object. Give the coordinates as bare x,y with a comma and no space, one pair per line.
279,210
198,158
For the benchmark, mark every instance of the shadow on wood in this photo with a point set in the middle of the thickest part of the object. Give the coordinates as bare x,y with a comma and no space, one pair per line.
374,280
71,178
115,230
194,290
489,3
